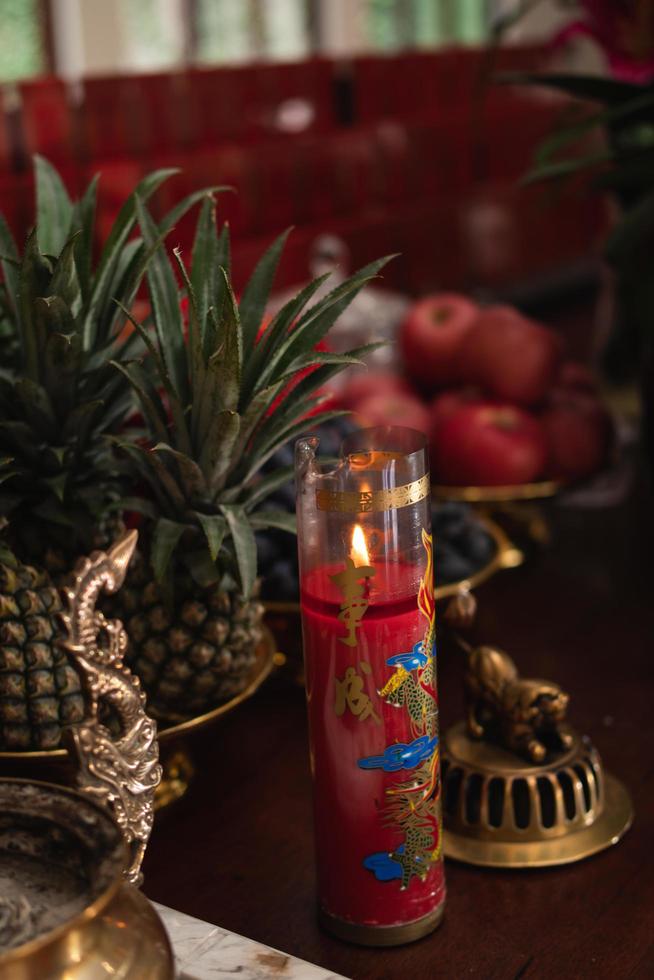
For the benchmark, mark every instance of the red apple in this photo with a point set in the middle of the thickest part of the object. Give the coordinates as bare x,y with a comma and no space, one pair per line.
447,402
393,408
511,357
571,374
578,432
431,335
489,445
362,384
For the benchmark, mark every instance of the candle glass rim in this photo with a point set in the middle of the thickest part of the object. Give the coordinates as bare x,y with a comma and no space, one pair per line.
392,439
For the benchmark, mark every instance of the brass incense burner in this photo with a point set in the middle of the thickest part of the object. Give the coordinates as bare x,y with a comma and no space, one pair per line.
70,859
520,787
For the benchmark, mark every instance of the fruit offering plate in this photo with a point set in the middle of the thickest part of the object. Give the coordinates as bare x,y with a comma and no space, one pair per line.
504,555
539,490
266,659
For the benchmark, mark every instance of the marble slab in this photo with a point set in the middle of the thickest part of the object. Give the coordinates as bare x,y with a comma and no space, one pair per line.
206,952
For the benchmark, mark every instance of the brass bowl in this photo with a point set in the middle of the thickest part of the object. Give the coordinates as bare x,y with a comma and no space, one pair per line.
506,556
67,912
177,765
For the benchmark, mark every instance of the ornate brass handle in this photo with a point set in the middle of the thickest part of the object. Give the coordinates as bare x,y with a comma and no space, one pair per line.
119,770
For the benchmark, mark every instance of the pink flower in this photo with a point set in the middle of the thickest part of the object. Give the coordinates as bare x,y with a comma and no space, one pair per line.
624,29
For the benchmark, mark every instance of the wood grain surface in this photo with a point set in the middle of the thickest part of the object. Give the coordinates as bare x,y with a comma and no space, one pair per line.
237,850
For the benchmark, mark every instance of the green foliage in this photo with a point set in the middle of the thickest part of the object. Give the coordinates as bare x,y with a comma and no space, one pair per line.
225,398
621,161
61,317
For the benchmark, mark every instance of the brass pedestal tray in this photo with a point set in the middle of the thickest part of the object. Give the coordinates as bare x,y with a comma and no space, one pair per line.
70,860
176,760
520,504
511,493
520,788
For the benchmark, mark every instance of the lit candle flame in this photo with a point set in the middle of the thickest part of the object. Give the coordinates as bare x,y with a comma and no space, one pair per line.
359,550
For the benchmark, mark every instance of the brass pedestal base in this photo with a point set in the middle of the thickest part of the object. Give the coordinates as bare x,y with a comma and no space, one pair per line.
500,811
408,932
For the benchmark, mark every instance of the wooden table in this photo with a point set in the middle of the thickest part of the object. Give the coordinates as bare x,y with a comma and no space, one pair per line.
237,850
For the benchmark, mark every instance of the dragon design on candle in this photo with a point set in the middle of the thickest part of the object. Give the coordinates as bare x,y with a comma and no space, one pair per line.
410,805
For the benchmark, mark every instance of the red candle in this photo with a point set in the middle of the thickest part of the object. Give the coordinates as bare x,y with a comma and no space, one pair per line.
368,628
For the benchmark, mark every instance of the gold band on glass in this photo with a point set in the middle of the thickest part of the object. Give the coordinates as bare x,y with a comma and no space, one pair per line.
367,501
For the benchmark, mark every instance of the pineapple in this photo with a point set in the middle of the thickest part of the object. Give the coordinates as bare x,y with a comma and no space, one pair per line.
39,689
59,397
227,396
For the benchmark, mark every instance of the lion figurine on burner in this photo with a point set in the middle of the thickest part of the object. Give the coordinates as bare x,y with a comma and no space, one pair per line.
523,714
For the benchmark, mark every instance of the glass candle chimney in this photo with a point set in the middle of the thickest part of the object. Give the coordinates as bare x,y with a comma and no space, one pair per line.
367,599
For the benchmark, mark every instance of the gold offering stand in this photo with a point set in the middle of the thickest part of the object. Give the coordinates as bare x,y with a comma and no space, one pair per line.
518,504
521,789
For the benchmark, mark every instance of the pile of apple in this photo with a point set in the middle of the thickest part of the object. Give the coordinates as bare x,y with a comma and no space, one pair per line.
494,393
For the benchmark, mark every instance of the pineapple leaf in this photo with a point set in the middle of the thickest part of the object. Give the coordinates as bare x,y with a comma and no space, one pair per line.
312,327
279,519
149,398
216,453
314,358
205,262
19,437
80,422
57,484
140,506
176,409
169,221
276,329
318,320
54,209
123,288
224,257
165,538
141,462
230,338
220,378
245,546
257,292
52,511
84,221
113,248
33,281
326,368
194,337
64,283
266,486
164,296
37,407
192,477
214,528
262,452
52,315
203,570
254,414
61,363
10,264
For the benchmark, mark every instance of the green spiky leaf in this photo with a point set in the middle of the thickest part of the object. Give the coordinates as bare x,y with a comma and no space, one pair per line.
54,209
165,538
245,545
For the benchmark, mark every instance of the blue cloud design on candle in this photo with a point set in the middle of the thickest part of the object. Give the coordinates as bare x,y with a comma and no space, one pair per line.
401,755
410,661
383,866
